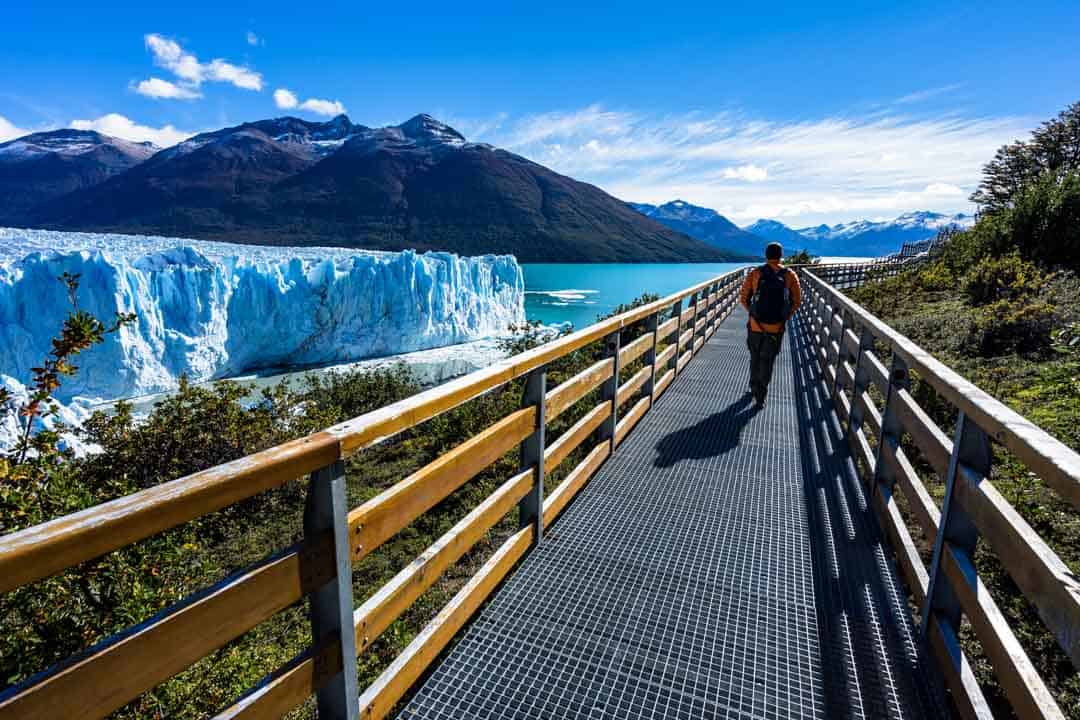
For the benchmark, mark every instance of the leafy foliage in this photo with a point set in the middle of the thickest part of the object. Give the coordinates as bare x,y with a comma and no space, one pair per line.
802,257
1002,278
1052,152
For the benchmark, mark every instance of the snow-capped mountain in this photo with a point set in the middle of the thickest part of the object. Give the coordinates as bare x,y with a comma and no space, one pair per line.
868,238
42,166
704,224
210,310
420,184
775,231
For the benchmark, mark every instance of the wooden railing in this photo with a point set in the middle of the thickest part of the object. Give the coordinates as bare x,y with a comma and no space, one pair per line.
122,667
846,340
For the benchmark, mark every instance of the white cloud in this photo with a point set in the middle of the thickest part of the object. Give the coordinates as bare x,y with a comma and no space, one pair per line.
323,107
287,100
253,39
163,89
820,169
749,173
8,130
122,127
191,73
922,95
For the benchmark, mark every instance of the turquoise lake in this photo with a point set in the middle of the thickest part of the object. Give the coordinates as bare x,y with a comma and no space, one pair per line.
578,293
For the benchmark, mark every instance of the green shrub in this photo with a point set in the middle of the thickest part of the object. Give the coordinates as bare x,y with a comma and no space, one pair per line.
936,276
1002,278
1012,326
1044,224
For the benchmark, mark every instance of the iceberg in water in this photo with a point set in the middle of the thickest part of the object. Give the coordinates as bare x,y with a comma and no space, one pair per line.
212,310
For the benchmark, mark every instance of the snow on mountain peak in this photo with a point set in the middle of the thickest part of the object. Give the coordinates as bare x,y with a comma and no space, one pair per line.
424,128
70,142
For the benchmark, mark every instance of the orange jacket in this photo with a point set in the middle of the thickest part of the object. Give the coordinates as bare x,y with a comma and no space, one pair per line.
749,287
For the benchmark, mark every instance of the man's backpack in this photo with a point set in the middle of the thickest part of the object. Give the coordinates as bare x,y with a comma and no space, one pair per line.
771,300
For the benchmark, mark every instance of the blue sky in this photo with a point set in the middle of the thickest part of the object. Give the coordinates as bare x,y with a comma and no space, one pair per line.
787,110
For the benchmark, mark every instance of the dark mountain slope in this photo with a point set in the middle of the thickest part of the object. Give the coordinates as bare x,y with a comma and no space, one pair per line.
416,185
704,224
40,167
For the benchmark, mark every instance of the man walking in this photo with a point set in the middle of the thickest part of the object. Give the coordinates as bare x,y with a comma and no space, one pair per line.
771,293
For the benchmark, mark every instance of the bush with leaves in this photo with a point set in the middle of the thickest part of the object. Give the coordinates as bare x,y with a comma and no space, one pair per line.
1012,326
1007,277
802,257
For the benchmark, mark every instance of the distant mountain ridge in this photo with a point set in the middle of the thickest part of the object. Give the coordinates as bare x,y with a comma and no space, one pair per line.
288,181
704,224
861,238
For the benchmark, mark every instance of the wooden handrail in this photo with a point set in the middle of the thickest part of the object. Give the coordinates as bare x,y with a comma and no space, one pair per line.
972,508
112,674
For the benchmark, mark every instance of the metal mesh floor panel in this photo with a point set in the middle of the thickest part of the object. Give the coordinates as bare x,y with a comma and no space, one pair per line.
721,564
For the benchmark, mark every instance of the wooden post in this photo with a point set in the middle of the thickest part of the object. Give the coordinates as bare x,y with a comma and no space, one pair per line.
326,510
862,381
531,507
651,325
971,449
610,389
676,311
891,428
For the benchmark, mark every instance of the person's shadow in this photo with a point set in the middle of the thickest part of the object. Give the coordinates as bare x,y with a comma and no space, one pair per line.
713,436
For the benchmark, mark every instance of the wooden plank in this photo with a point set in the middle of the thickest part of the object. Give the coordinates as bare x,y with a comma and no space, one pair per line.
919,501
357,433
663,357
1028,694
861,447
683,359
288,686
911,564
46,549
684,339
665,329
847,373
878,374
560,398
928,437
954,666
381,609
663,382
383,694
627,390
124,666
851,342
686,316
1049,458
561,496
1043,577
576,434
630,419
394,508
633,350
871,415
698,344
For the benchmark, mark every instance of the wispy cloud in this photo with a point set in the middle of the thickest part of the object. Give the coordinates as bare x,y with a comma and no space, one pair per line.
287,100
828,168
253,39
923,95
163,89
9,131
120,126
190,73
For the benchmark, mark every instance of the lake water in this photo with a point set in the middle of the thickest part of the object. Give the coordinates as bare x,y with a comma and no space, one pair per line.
578,293
556,293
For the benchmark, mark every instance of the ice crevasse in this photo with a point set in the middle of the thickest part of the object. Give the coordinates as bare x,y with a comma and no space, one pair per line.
210,310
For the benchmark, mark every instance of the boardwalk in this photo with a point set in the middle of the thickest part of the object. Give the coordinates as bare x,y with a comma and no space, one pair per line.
722,564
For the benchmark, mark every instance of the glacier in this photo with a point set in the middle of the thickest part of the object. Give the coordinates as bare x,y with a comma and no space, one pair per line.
211,310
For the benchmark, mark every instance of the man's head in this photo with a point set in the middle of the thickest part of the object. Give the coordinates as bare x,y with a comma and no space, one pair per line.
774,251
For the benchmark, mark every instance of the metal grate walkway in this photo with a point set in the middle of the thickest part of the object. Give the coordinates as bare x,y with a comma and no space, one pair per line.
723,563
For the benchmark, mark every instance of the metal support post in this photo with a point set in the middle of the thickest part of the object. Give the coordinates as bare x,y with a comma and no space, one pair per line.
326,510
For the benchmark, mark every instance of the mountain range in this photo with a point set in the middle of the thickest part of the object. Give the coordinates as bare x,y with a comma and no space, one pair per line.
704,224
861,238
287,181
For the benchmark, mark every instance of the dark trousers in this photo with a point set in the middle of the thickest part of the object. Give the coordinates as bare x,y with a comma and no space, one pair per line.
764,347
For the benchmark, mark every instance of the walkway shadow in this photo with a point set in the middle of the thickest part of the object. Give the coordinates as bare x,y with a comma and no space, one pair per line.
713,436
